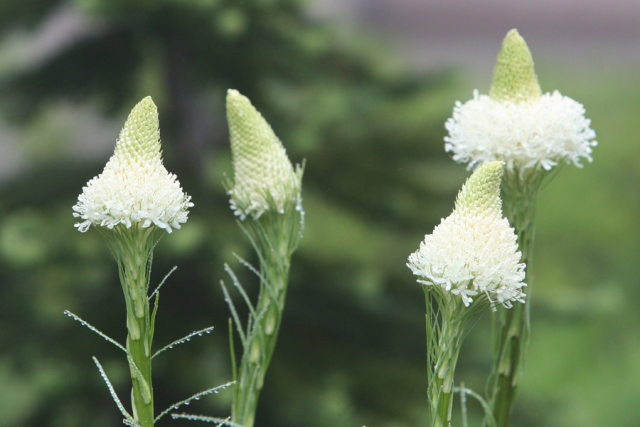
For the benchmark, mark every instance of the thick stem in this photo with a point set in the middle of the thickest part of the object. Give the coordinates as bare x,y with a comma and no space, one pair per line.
139,348
511,327
446,329
509,367
133,249
276,237
255,361
442,407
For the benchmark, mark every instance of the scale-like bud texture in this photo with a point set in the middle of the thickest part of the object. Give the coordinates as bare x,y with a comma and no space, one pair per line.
134,186
264,178
517,123
514,78
474,251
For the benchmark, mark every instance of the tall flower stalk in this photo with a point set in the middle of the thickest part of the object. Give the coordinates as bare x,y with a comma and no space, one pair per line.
470,263
532,133
133,203
266,198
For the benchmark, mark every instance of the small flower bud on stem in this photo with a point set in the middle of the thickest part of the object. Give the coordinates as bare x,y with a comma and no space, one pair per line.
469,263
132,203
265,195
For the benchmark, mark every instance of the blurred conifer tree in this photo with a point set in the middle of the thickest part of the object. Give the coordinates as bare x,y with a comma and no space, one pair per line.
351,350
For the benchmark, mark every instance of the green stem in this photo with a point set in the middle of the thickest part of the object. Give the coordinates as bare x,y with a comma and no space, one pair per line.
275,237
443,409
446,329
133,248
511,326
509,367
139,348
255,361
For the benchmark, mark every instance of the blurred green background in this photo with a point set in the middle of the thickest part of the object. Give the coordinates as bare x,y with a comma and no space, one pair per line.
370,126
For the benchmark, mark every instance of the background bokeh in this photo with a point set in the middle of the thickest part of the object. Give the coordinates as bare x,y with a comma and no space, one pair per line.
361,90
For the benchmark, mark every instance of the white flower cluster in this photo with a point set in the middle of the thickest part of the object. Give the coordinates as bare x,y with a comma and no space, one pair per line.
134,186
264,178
474,251
540,133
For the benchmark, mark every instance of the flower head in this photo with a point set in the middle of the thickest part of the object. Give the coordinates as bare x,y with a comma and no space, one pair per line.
264,178
474,251
516,123
134,187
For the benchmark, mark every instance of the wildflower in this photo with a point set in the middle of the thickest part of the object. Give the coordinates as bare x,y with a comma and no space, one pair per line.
130,203
264,178
267,193
516,123
134,187
474,251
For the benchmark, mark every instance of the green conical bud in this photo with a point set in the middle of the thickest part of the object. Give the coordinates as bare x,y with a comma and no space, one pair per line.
134,187
264,178
480,195
514,77
139,139
474,252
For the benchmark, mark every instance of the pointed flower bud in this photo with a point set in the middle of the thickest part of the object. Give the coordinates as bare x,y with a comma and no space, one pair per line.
264,178
474,252
134,187
514,78
516,123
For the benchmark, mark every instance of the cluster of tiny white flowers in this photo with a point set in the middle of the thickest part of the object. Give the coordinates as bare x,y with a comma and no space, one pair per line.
134,186
539,133
474,250
264,178
467,256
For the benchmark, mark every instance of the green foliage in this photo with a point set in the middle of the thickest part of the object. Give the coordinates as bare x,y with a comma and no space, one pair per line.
351,349
587,272
376,180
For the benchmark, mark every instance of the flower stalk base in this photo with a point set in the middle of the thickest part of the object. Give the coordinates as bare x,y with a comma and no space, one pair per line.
511,327
448,323
274,237
133,251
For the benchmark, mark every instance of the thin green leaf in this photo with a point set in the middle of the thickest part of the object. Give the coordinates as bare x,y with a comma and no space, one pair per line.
123,411
84,323
183,340
196,396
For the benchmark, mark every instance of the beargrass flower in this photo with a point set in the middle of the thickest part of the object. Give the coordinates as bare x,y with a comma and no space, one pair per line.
266,196
469,263
516,123
264,179
474,252
134,187
532,133
131,203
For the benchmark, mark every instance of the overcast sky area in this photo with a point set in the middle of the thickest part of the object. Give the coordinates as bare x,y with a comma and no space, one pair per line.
468,33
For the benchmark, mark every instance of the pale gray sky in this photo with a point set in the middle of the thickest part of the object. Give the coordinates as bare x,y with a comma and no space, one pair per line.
433,33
